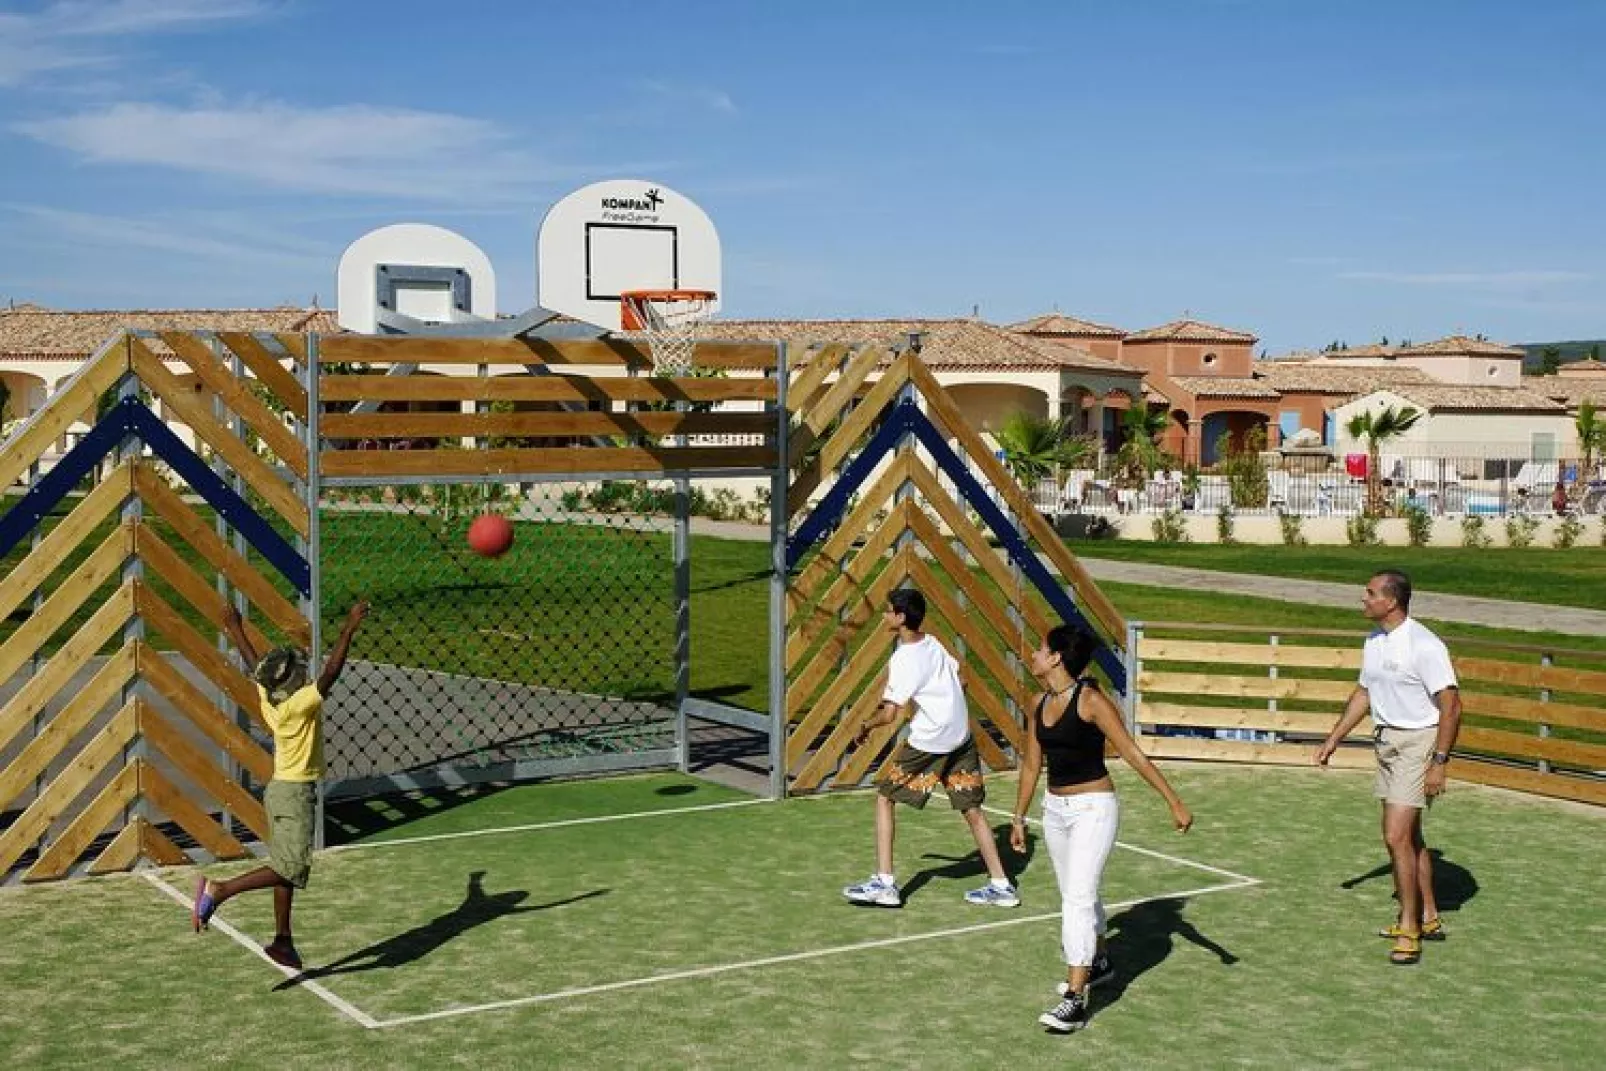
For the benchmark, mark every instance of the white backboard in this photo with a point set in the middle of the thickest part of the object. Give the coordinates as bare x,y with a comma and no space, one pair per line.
418,270
623,234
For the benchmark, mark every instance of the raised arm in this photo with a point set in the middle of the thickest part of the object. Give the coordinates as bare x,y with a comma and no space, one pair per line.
1031,766
234,628
337,656
1108,719
1354,710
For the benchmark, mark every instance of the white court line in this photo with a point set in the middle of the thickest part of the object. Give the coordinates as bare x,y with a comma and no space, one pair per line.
1242,879
771,961
346,1008
542,825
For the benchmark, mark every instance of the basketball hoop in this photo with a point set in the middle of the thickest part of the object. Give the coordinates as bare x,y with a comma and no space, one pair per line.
667,320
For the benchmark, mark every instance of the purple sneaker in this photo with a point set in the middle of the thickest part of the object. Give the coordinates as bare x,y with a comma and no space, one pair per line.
204,907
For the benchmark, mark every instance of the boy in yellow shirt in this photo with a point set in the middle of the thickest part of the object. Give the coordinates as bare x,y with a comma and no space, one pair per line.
293,709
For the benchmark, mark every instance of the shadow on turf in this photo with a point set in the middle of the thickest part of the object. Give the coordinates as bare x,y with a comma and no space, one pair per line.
971,865
1142,937
1453,884
477,909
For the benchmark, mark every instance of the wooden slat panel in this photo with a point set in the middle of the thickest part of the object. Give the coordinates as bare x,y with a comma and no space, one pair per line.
166,796
974,542
237,395
266,367
154,491
167,682
965,581
1506,706
57,734
101,812
122,853
858,765
202,772
295,344
43,560
860,619
836,744
1560,786
808,625
979,644
941,405
105,749
567,459
203,656
981,697
1558,678
66,407
857,423
822,413
805,387
1519,745
102,564
1252,654
1245,687
371,349
1285,721
478,425
1183,747
187,407
166,564
32,698
826,563
155,846
553,388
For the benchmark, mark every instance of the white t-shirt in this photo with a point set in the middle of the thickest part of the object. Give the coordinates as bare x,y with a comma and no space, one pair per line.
1402,671
925,672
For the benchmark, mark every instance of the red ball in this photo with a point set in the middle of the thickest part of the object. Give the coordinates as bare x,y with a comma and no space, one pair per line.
490,535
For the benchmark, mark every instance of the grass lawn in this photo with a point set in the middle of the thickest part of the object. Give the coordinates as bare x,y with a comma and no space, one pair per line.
1574,577
718,938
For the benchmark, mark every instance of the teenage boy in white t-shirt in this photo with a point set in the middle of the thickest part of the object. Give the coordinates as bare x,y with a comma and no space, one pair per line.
1410,688
939,751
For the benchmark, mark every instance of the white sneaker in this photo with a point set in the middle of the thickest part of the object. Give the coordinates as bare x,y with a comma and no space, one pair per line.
991,895
875,892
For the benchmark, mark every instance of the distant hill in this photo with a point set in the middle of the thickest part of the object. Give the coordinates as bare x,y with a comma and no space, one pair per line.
1570,351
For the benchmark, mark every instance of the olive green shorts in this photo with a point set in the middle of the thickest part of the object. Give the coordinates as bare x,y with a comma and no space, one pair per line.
292,808
913,774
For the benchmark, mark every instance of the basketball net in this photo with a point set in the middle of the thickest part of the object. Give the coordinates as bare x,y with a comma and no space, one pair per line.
667,321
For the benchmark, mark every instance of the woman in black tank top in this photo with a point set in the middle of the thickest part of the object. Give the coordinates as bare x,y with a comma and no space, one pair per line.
1071,723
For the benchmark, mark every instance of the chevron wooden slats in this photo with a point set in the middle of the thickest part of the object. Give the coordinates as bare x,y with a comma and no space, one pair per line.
103,625
73,529
237,395
834,748
166,797
189,701
825,615
156,847
103,564
162,561
266,367
154,492
124,850
103,752
830,557
193,411
67,406
200,771
855,424
211,662
70,722
982,601
861,620
804,388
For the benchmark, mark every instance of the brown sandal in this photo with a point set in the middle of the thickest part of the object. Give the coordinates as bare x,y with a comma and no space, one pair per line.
1432,930
1407,950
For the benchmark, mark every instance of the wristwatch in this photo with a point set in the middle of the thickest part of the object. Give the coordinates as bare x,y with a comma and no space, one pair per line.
1441,758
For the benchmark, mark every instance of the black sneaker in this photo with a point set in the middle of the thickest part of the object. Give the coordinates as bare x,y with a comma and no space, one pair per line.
1102,971
282,952
1068,1015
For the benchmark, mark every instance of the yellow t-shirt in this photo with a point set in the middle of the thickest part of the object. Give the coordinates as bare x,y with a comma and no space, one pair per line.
297,734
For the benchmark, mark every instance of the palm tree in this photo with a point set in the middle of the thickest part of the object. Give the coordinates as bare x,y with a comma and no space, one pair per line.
1035,446
1591,428
1377,429
1140,454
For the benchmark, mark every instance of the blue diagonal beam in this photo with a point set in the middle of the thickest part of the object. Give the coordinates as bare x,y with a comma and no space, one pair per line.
827,513
130,417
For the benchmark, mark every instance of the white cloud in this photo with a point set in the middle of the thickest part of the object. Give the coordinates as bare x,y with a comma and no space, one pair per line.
344,149
219,237
704,98
74,34
1497,280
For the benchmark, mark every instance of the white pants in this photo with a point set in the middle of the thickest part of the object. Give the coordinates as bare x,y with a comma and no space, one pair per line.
1080,831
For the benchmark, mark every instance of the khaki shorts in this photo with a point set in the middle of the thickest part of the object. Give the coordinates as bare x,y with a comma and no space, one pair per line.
1402,764
292,808
913,774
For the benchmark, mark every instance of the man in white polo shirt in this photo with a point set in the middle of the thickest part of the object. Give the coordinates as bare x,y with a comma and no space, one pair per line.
1409,685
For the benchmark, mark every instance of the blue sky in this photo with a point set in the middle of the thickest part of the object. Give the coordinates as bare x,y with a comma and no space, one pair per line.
1304,170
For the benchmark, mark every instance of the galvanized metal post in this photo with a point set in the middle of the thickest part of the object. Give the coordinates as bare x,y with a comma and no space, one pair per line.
312,605
133,571
779,580
682,554
1134,666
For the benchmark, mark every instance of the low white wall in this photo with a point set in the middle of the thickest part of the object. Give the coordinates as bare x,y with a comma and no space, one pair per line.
1330,531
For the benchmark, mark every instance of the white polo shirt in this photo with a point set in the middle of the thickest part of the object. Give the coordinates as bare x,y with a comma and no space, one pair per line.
1402,671
925,672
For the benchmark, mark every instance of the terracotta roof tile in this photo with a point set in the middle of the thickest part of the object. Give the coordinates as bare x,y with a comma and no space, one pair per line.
1570,392
1452,399
1190,331
1056,323
1586,367
30,330
1459,346
1323,377
1225,387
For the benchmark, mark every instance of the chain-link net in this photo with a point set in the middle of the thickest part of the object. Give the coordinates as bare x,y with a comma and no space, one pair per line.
561,648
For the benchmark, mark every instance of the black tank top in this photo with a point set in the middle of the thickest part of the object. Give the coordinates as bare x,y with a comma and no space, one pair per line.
1074,748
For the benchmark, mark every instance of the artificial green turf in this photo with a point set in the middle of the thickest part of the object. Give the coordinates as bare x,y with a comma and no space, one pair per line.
1283,974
